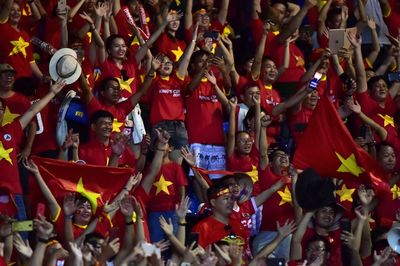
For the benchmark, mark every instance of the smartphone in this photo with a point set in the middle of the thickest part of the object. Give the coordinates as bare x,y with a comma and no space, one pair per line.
315,81
61,5
393,76
40,209
22,226
60,263
345,225
149,249
211,34
275,261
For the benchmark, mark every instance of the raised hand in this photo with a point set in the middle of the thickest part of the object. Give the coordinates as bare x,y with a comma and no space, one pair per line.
138,209
118,145
57,86
110,248
31,166
365,196
86,17
353,106
183,207
71,140
126,206
167,227
266,120
355,39
76,250
173,15
188,156
22,246
163,245
361,213
211,78
145,144
134,180
101,9
371,23
163,136
156,62
383,256
43,228
235,253
287,228
347,238
69,205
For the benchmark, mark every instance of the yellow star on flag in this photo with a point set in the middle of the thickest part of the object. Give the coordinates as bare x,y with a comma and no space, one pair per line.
178,2
125,84
345,193
387,120
91,196
5,154
117,125
178,53
299,61
286,196
8,117
19,47
349,165
395,192
162,185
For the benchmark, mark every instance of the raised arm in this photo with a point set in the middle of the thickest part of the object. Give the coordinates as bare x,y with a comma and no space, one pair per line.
52,203
39,105
185,60
258,57
220,95
267,193
5,10
376,48
360,70
293,101
155,166
75,9
188,14
295,22
264,161
223,12
255,9
44,230
323,14
230,142
295,245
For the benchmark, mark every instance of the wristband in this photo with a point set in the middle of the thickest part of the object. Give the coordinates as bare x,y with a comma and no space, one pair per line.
43,240
182,224
69,217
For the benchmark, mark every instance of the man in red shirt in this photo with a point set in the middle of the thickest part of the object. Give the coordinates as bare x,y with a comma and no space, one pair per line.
220,224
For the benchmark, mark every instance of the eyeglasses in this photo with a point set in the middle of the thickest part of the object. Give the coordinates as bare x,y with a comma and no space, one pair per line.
316,249
246,141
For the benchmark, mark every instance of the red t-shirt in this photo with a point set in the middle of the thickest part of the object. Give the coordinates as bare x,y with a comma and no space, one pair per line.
256,26
296,61
46,120
166,99
204,112
211,230
244,212
170,46
164,194
129,68
15,49
279,206
389,204
393,19
382,116
299,121
10,138
119,111
333,238
17,105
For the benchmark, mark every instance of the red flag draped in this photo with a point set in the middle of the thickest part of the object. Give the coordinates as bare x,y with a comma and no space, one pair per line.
97,183
328,147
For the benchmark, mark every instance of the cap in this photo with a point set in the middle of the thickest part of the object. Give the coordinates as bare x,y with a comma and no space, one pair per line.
6,68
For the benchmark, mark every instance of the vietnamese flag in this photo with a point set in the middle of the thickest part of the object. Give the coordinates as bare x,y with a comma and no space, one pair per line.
328,147
97,183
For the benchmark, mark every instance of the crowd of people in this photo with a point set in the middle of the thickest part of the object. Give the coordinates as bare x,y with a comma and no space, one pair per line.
199,132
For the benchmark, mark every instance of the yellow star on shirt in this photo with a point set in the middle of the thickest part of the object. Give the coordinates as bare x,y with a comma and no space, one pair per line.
395,192
299,61
135,41
91,196
162,185
117,125
178,53
178,2
125,84
387,120
19,47
345,193
8,117
286,196
5,154
349,165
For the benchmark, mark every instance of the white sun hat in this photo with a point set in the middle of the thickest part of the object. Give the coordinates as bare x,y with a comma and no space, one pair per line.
64,64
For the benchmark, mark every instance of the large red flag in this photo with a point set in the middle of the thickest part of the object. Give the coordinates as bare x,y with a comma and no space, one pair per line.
328,147
97,183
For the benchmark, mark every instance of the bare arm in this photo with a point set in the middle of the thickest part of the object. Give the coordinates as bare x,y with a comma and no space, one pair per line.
360,70
75,9
255,9
376,48
5,10
293,101
385,7
184,62
86,90
223,11
266,194
295,245
230,143
188,14
35,11
256,66
323,13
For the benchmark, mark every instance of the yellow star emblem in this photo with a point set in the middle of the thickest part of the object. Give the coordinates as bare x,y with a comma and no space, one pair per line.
286,196
178,2
345,193
19,47
299,61
135,41
117,125
395,192
162,185
178,53
125,84
5,154
387,120
8,117
91,196
253,173
349,165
